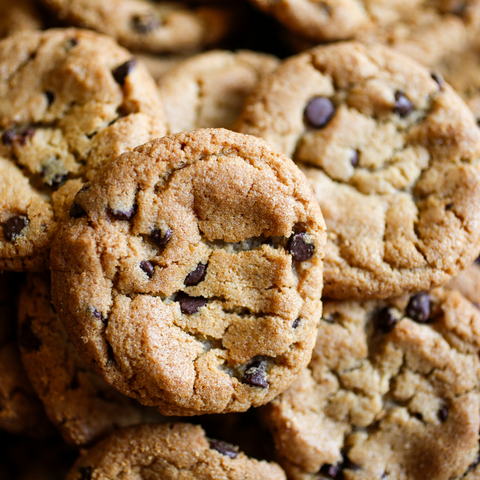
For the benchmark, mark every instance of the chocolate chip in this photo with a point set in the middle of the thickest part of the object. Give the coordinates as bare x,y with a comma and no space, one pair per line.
419,416
188,304
224,448
27,338
403,106
50,97
449,206
439,79
71,42
148,268
442,413
332,471
160,239
14,226
195,277
99,315
145,23
121,72
255,375
477,261
25,135
418,308
476,305
127,215
319,111
85,473
385,320
76,211
8,137
474,464
349,465
354,159
296,323
300,250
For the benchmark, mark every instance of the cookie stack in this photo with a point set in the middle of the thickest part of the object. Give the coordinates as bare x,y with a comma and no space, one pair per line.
174,240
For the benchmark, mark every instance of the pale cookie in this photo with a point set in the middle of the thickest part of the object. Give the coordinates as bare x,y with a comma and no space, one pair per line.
392,392
392,154
209,90
190,273
468,283
159,65
149,26
18,16
170,452
78,402
70,101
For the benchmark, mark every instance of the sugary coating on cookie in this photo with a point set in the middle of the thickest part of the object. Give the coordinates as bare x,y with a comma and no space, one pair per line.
190,273
148,26
170,451
17,16
209,89
392,392
70,101
21,412
392,154
77,400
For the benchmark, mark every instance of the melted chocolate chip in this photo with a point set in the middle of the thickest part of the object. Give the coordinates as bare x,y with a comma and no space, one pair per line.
439,79
418,308
121,72
160,239
148,268
332,471
190,305
255,375
50,97
14,226
195,277
127,215
300,250
296,323
145,23
8,137
354,159
27,338
76,211
403,106
319,111
442,413
385,320
224,448
85,473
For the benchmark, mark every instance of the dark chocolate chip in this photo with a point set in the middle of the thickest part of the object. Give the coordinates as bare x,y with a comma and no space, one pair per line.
160,239
195,277
442,413
439,79
85,473
349,465
50,97
188,304
319,111
25,135
300,250
296,323
27,338
419,416
99,315
354,159
255,375
145,23
127,215
71,42
76,211
14,226
477,261
8,137
268,241
385,320
224,448
332,471
418,308
403,106
148,268
121,72
449,206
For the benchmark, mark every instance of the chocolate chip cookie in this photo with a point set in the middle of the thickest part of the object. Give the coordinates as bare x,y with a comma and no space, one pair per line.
78,402
189,274
148,26
17,16
70,101
392,392
468,283
170,451
209,89
392,154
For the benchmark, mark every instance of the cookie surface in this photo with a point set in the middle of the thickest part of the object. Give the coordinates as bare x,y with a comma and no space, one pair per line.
147,26
208,90
190,273
18,16
70,101
392,154
392,391
169,452
468,283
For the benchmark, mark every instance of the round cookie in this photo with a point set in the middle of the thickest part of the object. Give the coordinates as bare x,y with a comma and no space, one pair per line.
190,273
169,452
159,65
70,101
209,89
392,392
468,283
148,26
77,401
21,412
18,16
392,154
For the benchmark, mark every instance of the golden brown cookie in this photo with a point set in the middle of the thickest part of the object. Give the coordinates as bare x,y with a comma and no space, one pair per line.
190,272
18,16
392,154
468,283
